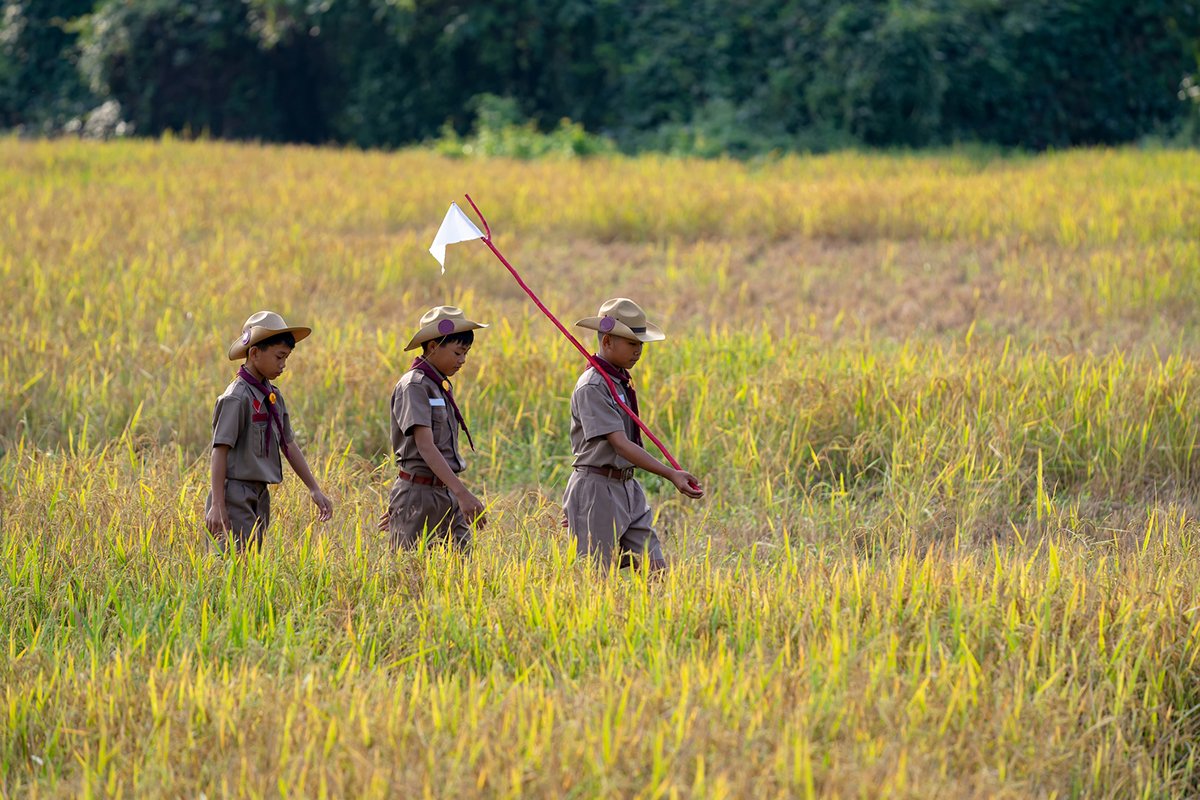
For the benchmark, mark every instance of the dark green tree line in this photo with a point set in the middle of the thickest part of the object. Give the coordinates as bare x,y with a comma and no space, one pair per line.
696,75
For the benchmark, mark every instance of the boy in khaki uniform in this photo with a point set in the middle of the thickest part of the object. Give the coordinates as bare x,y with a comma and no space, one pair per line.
427,496
605,506
251,425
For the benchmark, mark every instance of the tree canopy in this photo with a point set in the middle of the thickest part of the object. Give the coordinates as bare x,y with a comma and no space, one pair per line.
705,76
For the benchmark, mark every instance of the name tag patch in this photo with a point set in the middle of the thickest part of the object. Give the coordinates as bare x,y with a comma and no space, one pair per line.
259,417
437,401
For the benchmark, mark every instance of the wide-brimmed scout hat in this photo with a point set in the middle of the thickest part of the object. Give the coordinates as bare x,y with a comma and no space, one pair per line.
263,325
625,318
442,321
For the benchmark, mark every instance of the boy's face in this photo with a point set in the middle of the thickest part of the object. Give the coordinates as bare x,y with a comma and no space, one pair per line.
619,351
269,361
447,358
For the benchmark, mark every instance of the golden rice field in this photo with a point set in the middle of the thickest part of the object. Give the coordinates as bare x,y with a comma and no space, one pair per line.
945,407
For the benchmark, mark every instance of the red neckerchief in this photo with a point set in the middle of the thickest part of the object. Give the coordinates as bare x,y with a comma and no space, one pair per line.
623,377
424,366
269,395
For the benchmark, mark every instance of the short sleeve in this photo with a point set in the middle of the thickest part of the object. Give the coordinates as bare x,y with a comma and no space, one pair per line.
598,413
227,420
410,407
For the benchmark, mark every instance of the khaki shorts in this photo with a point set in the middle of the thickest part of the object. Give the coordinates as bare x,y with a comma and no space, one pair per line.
418,511
609,515
248,505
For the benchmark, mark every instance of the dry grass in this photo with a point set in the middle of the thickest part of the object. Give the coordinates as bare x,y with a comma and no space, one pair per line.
942,405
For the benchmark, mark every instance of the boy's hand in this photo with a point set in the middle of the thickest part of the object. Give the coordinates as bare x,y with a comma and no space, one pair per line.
324,504
687,484
472,509
217,519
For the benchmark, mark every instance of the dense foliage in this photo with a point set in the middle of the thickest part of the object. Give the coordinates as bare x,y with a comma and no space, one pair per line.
700,76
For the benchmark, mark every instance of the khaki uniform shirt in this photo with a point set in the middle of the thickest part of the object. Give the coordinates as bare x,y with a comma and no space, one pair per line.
594,415
242,421
417,400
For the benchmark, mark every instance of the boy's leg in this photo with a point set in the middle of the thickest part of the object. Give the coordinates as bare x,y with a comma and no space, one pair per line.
639,540
416,510
444,520
594,509
402,510
263,514
248,506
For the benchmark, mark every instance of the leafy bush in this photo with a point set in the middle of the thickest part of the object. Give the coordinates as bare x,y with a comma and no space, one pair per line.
179,65
40,86
885,78
1189,94
500,130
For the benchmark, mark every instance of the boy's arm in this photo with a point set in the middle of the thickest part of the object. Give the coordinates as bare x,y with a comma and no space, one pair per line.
295,457
684,481
217,517
471,507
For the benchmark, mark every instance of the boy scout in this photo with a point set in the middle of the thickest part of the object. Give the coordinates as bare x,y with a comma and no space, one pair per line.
250,426
427,496
606,507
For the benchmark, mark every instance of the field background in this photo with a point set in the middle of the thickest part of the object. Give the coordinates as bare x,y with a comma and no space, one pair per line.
943,405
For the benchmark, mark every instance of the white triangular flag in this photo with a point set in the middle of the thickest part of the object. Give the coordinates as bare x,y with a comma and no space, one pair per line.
456,227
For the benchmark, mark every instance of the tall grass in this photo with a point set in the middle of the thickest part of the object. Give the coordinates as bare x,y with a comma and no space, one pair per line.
942,407
140,663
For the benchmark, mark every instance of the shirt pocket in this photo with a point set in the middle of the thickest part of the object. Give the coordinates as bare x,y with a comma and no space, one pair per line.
260,433
443,433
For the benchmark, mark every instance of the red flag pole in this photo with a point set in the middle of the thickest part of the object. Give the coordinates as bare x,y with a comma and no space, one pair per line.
612,388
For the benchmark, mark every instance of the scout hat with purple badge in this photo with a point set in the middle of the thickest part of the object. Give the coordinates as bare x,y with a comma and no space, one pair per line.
625,318
260,326
441,321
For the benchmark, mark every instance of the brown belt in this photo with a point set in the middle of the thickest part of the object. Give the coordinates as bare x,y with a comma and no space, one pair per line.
423,480
610,472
